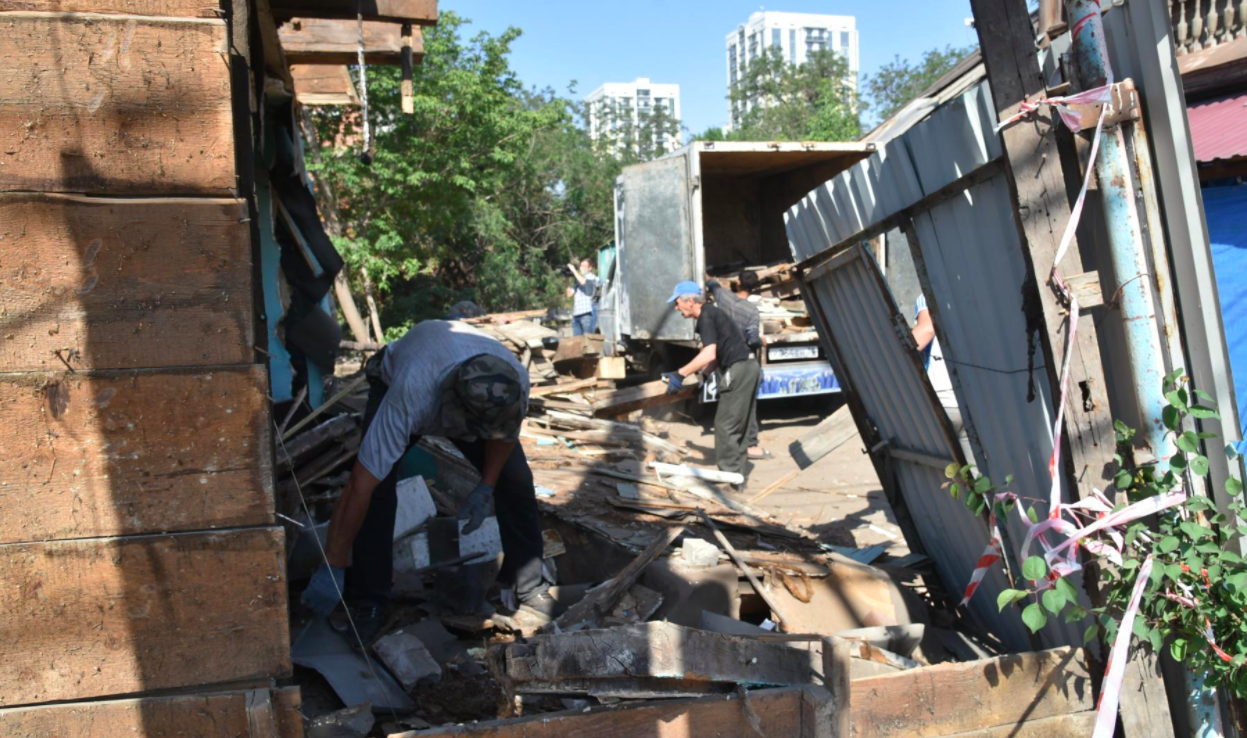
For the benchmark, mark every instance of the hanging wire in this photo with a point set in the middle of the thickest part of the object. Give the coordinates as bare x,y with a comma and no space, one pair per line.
366,155
363,648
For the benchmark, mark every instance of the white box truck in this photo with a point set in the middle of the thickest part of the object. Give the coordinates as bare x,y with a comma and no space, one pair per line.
706,207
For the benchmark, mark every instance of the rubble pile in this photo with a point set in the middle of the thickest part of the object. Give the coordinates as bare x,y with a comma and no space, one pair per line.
667,585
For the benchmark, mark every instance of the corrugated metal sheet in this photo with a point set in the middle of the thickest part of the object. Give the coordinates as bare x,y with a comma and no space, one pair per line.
1219,127
954,141
884,372
973,269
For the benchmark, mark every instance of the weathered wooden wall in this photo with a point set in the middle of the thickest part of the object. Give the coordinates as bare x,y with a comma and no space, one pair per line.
137,546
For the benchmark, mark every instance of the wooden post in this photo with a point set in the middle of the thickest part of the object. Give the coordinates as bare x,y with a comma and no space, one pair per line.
409,102
1042,210
836,681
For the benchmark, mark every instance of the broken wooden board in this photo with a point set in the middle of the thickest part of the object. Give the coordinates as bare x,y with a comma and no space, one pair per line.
601,601
578,347
790,712
119,453
115,104
111,616
611,367
641,397
657,651
830,434
120,283
1006,693
849,596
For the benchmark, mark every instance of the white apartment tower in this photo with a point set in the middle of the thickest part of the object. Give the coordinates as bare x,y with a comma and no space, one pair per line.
796,35
618,105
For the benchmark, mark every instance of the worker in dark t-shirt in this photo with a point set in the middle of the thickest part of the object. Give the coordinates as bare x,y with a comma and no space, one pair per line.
724,353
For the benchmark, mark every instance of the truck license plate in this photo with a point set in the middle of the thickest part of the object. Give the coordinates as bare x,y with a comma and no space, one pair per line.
783,353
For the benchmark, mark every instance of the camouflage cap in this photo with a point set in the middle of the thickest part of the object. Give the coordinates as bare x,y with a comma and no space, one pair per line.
483,399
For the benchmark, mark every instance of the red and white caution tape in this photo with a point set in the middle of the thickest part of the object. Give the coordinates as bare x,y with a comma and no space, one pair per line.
1110,692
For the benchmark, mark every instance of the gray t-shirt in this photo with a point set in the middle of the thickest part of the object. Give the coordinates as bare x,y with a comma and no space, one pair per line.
415,367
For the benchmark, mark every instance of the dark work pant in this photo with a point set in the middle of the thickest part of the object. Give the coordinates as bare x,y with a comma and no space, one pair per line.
737,404
751,439
371,576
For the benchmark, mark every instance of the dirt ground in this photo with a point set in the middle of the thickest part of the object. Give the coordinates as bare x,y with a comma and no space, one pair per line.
839,493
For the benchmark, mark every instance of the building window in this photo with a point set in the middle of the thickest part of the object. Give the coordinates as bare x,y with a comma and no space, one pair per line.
753,46
775,38
844,41
792,46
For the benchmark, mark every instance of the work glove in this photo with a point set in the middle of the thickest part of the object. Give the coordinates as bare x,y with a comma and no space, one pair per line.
476,507
324,591
675,382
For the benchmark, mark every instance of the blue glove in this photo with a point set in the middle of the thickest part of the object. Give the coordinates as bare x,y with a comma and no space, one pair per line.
324,591
675,382
476,507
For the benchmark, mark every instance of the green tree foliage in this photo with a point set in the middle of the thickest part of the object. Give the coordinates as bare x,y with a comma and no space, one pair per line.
813,101
483,194
899,81
630,141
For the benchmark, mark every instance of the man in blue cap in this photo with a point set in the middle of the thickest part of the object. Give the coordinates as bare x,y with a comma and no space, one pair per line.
725,353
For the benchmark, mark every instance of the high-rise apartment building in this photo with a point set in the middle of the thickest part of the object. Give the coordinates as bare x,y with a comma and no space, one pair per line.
621,112
796,35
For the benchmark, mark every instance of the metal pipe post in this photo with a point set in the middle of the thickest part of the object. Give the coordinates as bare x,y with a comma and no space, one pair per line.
1134,296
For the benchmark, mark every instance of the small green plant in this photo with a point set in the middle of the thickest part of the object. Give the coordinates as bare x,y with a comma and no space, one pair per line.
1196,596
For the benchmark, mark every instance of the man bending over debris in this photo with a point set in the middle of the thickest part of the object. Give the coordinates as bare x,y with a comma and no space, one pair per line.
723,350
746,316
443,379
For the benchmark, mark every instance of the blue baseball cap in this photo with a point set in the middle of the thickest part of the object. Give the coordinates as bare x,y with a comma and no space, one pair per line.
685,289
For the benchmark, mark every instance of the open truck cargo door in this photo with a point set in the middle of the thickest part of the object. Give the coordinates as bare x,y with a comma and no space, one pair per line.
656,249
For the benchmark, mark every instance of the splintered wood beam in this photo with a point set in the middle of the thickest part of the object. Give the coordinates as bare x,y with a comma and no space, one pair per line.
418,12
323,41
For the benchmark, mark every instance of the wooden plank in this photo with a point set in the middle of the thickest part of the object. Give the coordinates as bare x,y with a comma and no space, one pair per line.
110,616
602,600
577,347
1078,725
418,12
1042,210
200,715
320,41
641,397
210,715
120,453
831,433
1005,691
169,8
611,367
662,651
288,702
118,283
109,104
836,712
319,84
774,712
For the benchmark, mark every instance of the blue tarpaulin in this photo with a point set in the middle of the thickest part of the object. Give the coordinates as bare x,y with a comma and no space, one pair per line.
1226,211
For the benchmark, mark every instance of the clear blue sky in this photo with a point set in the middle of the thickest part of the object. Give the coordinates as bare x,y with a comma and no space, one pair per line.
682,41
